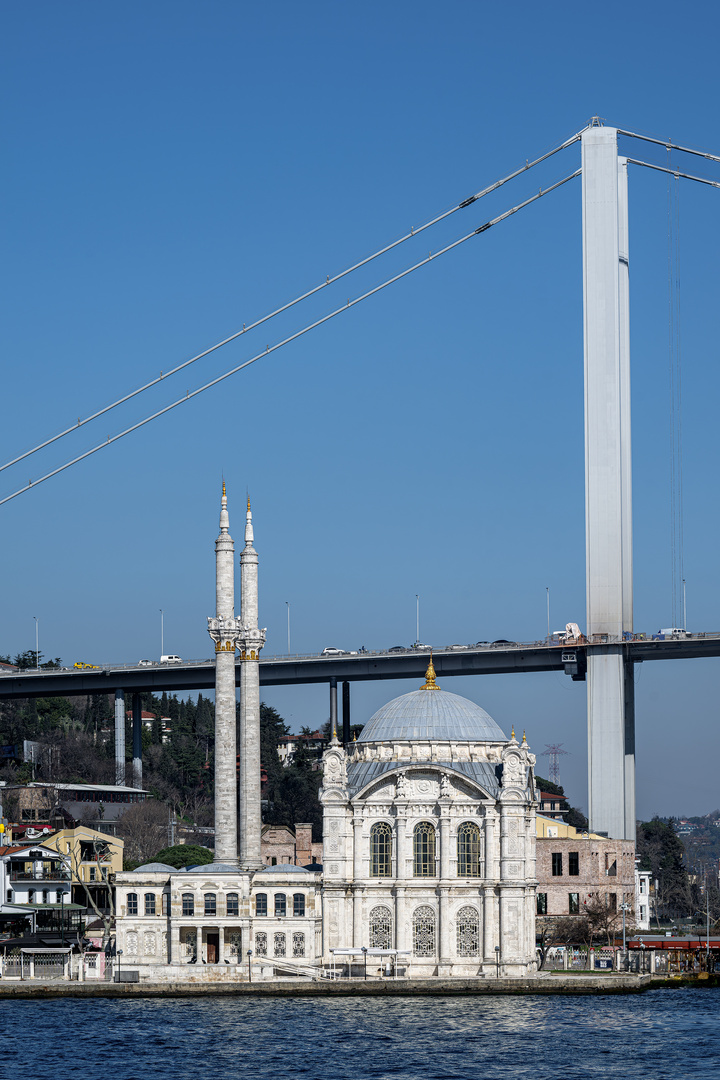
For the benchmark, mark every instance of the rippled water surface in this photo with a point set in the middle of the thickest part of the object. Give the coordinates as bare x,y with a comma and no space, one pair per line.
657,1035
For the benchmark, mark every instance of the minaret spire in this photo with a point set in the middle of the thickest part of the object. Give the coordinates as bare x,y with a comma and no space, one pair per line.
223,629
250,642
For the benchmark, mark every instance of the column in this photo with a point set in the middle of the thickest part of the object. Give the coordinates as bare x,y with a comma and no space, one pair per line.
444,934
120,737
444,843
607,469
357,849
401,929
333,707
137,740
401,847
346,713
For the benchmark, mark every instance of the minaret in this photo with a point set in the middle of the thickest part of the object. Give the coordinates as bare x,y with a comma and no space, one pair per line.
250,641
223,629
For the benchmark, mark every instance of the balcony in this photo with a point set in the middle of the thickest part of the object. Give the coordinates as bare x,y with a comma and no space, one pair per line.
60,874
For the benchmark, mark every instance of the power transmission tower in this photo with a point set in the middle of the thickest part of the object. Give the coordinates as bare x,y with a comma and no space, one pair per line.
554,752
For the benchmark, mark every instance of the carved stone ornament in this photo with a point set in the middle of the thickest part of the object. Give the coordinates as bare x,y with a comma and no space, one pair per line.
513,770
445,786
334,771
402,785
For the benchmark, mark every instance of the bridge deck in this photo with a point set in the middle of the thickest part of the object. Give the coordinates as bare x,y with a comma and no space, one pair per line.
502,659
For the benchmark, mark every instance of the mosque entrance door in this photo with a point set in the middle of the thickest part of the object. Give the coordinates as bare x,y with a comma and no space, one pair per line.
213,948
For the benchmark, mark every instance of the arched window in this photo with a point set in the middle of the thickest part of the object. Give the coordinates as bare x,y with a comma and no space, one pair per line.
261,944
132,905
210,903
280,907
233,903
149,903
468,850
381,850
188,903
424,931
298,944
298,903
468,932
279,944
261,903
380,936
424,850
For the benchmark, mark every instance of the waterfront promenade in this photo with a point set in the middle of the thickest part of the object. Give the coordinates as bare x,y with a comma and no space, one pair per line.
546,984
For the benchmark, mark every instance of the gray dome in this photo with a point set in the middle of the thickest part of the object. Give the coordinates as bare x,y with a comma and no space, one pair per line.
154,868
213,868
283,868
431,715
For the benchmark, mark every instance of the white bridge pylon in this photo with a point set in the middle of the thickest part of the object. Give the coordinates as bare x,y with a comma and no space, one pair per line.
608,479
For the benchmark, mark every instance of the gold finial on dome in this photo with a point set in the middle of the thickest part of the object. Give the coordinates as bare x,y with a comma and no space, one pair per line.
512,732
430,683
248,504
223,488
524,739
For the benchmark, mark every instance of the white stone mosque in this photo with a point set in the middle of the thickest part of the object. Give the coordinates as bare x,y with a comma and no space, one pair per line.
428,841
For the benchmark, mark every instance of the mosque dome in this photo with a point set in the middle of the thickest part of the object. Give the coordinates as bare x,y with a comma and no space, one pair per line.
431,715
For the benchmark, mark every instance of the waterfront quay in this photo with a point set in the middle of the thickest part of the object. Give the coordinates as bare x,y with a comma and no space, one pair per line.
555,983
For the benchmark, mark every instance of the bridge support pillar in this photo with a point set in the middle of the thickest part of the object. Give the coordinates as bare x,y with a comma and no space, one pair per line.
608,505
120,737
333,706
346,713
137,741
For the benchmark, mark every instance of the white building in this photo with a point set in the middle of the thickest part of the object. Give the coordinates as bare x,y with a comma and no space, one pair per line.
428,839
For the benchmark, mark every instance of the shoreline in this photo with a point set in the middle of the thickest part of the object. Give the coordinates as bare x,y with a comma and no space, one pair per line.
577,985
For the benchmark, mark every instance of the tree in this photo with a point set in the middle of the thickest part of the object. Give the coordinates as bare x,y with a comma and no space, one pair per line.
661,850
143,827
184,855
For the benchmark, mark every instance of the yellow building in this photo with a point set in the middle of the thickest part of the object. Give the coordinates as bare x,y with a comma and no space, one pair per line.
549,828
95,858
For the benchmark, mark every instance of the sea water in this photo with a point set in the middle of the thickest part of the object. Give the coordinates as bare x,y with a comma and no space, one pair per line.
652,1036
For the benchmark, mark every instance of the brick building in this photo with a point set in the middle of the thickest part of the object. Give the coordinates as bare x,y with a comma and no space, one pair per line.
574,867
283,844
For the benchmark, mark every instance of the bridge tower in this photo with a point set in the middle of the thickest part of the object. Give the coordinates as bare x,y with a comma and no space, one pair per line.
608,492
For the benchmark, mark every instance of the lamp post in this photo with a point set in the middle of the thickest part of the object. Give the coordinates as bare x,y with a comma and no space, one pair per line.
547,591
249,956
37,642
287,605
118,954
417,618
364,952
162,632
62,917
497,961
624,907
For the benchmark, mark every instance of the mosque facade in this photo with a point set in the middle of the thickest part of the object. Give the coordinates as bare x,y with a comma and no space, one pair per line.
428,841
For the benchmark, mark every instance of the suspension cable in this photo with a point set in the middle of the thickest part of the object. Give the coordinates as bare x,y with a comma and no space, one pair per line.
674,172
330,280
669,145
293,337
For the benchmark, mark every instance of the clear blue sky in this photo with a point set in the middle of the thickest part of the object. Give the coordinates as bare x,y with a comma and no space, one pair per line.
173,170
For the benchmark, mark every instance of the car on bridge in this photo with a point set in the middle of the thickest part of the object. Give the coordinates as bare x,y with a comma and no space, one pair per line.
330,650
397,648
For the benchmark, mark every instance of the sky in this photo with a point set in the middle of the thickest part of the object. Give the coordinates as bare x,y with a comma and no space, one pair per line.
175,170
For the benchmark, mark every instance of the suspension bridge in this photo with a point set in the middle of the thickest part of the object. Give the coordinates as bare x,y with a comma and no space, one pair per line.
609,650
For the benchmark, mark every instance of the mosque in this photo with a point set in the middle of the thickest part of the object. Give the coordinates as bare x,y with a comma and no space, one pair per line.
428,841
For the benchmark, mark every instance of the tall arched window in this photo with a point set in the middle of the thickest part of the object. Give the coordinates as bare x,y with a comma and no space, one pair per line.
280,907
149,903
233,903
468,850
468,932
381,850
298,903
132,903
424,931
210,903
188,903
424,850
380,936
